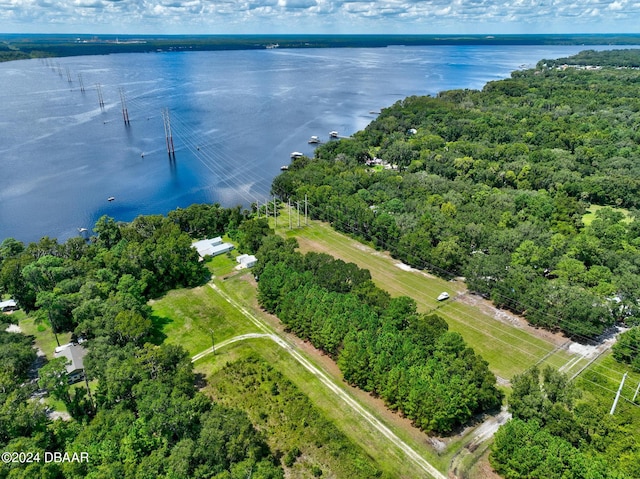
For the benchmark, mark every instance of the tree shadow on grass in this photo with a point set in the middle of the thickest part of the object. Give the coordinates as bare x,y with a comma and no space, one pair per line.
157,335
200,381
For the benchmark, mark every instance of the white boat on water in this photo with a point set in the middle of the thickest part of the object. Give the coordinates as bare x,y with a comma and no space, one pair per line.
333,134
314,139
284,168
111,198
296,154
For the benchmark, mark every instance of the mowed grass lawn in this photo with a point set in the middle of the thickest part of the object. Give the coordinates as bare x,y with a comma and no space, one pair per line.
43,335
508,349
188,317
386,456
185,316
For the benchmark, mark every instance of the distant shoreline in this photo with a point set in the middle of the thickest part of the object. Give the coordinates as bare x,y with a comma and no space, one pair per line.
24,46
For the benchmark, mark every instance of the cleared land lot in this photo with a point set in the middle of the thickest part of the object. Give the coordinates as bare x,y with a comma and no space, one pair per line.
508,344
186,317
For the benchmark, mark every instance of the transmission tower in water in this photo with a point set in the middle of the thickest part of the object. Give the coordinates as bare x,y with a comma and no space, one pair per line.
167,133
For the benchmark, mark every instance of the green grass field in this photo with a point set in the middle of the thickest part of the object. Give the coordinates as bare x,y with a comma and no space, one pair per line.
45,340
601,381
293,426
326,405
190,317
509,349
590,215
185,317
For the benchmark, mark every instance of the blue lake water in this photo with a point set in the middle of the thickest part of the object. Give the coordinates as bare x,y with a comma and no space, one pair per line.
235,117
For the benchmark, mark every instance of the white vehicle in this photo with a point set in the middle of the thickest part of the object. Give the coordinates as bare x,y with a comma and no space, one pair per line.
443,296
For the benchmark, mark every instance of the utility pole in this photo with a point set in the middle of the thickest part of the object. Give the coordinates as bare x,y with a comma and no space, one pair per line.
306,205
289,202
68,75
298,204
636,394
275,215
81,82
615,402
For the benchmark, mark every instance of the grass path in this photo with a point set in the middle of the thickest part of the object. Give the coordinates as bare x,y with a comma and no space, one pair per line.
510,347
226,342
335,389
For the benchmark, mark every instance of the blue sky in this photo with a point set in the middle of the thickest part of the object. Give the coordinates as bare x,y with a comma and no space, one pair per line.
319,16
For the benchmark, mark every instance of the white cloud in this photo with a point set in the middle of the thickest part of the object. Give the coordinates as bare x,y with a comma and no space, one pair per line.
285,4
317,16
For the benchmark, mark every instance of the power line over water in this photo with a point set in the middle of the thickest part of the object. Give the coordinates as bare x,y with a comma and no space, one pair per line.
235,118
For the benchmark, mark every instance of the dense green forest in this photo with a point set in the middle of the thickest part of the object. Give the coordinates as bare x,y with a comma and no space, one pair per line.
529,189
381,344
145,418
555,434
623,58
494,186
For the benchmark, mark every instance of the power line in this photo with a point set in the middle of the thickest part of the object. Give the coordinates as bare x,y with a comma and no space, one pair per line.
459,313
428,266
213,158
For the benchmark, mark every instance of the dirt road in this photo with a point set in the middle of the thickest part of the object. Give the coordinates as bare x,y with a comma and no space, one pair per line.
268,332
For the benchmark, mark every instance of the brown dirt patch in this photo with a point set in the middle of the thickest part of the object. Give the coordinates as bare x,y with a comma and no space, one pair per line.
507,317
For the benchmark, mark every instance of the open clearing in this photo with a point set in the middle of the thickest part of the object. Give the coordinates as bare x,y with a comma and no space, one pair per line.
507,342
187,316
330,384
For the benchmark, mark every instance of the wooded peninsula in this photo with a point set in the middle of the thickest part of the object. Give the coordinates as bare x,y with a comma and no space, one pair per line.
528,190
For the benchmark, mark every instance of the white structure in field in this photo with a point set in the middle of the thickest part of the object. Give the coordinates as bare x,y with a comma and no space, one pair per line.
8,305
212,247
246,261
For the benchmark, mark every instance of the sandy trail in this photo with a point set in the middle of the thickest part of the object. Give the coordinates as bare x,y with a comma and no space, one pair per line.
323,378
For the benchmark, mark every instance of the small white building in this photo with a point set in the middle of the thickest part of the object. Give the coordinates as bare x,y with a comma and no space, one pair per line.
246,261
8,305
212,247
75,354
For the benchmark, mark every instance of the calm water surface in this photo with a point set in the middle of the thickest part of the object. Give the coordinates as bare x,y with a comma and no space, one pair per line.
235,117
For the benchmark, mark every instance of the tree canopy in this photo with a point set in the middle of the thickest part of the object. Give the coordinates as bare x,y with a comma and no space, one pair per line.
556,435
529,189
144,419
381,344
